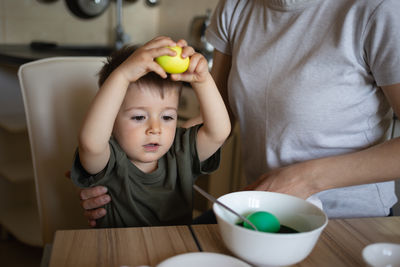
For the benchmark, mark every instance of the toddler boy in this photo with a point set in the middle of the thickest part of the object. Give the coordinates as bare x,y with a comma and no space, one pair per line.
130,143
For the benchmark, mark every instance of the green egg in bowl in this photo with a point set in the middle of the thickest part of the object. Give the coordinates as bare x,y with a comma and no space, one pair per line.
264,248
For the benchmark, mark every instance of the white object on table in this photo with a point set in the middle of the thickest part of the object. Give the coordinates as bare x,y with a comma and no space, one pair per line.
201,259
282,249
382,255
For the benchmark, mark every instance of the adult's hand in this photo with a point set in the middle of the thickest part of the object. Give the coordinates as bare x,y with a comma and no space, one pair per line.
92,201
296,180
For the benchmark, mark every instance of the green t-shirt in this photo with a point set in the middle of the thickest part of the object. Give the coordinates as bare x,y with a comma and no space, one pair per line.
162,197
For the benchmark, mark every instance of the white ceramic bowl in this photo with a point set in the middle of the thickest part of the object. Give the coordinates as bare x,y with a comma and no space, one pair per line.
382,254
270,249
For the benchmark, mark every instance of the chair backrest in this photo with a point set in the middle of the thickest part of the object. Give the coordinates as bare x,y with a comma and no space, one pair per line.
56,94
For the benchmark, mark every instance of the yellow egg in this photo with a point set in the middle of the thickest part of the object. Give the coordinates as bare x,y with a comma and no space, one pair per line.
175,64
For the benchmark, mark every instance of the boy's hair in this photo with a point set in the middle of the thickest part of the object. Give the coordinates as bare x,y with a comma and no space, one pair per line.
152,79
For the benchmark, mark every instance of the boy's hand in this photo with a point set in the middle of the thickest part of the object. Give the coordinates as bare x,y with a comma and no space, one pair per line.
198,67
142,60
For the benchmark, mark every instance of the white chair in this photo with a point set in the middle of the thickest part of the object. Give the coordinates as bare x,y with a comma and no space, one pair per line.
56,94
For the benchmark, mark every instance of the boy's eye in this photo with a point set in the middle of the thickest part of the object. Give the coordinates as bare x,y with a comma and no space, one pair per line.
168,118
138,118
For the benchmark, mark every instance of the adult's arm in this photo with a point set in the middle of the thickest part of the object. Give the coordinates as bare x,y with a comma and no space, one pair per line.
378,163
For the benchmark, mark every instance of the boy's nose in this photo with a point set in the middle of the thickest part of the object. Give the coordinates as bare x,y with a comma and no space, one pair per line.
154,127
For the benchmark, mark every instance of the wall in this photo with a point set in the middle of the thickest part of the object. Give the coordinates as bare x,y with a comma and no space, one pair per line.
177,15
22,21
25,20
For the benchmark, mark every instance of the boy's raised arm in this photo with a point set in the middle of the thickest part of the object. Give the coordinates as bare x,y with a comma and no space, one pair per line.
216,124
99,121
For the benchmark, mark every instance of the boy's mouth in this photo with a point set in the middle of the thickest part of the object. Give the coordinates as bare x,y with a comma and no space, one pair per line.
151,147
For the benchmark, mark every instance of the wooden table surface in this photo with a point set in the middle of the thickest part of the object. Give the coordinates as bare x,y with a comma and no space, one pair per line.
340,243
120,246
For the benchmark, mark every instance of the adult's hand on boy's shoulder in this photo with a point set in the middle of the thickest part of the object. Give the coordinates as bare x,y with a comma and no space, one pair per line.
92,201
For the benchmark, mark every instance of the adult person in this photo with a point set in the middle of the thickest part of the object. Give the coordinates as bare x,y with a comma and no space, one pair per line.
313,84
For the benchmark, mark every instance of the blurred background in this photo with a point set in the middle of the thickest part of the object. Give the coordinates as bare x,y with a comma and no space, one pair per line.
24,21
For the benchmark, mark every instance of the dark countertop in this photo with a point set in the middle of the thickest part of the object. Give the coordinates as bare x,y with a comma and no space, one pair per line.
17,54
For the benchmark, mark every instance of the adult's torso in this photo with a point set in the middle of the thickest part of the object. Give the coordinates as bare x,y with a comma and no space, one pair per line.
300,82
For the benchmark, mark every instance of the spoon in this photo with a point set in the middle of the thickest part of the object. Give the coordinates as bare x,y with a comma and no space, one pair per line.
214,200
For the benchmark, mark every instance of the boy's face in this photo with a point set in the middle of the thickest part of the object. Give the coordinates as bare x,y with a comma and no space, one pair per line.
145,125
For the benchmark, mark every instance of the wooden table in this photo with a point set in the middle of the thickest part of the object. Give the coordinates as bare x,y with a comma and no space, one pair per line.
340,244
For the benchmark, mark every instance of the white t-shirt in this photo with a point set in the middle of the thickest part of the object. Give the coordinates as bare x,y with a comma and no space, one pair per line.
304,85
